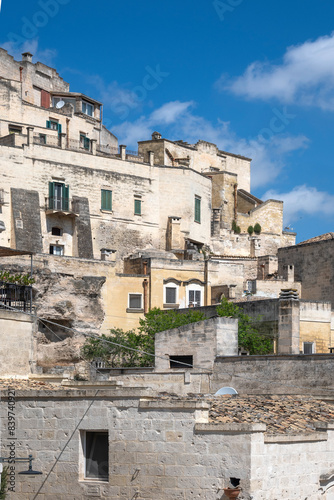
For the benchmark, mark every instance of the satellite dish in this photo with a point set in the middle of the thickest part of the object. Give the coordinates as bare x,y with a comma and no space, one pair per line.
226,390
60,104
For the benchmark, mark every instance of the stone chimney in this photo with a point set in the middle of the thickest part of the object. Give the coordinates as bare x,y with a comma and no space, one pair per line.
27,57
156,136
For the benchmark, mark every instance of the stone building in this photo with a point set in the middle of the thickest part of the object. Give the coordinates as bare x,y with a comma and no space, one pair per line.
116,232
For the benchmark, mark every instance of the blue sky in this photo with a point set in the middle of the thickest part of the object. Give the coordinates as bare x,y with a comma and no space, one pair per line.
254,77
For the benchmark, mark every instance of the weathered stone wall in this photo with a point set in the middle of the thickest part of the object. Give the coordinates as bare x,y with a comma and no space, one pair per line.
313,263
203,340
17,345
157,449
289,374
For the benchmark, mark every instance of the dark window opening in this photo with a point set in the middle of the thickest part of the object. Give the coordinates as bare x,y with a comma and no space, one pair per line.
181,361
56,231
170,295
308,347
135,301
96,451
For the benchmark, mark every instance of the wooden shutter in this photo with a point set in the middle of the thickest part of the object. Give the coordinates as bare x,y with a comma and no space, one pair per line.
65,198
138,207
48,124
51,195
45,99
59,128
197,210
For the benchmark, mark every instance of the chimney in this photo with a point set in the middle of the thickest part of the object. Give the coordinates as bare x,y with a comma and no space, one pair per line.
27,57
156,136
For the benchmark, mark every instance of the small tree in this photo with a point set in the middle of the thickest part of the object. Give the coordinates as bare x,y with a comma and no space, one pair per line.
250,230
234,226
4,483
238,230
248,336
257,228
125,349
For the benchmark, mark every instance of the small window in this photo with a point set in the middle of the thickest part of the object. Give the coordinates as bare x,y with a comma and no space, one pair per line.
135,301
53,125
84,142
56,231
181,362
137,206
96,455
12,129
308,348
106,199
194,298
197,209
42,138
170,295
56,250
87,108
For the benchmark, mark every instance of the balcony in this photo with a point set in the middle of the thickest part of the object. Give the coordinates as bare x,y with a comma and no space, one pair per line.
60,205
18,297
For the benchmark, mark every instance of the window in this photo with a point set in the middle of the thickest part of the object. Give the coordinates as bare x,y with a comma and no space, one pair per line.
170,295
56,250
194,298
53,125
56,231
106,199
12,129
135,301
84,141
58,196
308,348
87,108
96,455
197,209
180,361
137,206
42,138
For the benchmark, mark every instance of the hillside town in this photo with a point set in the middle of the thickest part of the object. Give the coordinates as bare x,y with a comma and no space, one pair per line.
94,237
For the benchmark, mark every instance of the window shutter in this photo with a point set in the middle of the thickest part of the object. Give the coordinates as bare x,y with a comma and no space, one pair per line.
59,128
51,194
138,207
86,143
48,124
197,210
65,200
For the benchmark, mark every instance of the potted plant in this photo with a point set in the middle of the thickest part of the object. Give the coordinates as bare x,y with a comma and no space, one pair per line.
257,228
250,230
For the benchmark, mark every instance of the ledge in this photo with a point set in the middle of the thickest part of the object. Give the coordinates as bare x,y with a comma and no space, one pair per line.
295,438
242,428
153,404
140,311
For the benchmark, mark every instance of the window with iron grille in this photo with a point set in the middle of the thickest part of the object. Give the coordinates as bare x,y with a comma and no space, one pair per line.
135,301
170,295
194,298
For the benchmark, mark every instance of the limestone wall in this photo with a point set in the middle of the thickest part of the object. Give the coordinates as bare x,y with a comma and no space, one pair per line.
313,263
17,346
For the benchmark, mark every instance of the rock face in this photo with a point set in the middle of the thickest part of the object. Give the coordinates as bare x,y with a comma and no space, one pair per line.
68,305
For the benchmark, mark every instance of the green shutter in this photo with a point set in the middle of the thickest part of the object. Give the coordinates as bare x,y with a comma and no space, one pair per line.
65,198
59,128
137,207
86,143
48,124
106,199
197,210
51,194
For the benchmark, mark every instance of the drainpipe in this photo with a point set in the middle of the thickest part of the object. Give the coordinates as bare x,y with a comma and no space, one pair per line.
206,272
67,133
145,285
235,202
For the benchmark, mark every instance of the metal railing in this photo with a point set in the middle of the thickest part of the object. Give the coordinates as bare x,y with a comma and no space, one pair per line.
15,296
60,203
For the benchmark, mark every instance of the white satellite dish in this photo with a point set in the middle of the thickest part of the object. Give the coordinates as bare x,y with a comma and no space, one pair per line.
226,390
60,104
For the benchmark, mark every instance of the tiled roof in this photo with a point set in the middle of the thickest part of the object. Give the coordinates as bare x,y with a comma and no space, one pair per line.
281,414
322,237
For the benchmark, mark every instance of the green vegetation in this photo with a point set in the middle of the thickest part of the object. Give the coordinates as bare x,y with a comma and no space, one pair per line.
257,228
126,354
4,483
235,227
250,230
248,336
16,279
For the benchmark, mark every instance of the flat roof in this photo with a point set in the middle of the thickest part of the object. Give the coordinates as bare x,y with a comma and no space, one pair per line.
8,252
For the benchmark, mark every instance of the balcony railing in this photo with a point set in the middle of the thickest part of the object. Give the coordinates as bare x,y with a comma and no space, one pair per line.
15,297
59,204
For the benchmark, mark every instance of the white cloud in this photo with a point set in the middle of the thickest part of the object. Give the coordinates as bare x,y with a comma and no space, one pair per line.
46,56
303,200
305,76
176,120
